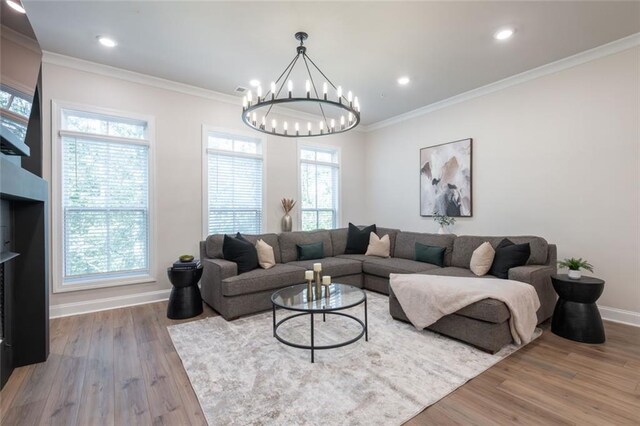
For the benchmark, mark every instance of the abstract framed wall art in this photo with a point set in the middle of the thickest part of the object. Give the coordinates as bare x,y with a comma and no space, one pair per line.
445,179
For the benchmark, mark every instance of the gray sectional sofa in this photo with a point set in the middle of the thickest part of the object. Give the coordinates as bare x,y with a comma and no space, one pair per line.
483,324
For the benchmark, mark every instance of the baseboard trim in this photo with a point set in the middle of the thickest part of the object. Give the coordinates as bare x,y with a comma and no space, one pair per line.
76,308
620,315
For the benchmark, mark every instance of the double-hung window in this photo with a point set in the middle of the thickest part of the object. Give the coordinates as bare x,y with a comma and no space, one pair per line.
103,173
233,183
319,187
15,108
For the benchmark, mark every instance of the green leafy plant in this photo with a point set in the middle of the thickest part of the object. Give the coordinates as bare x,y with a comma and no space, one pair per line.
575,264
443,220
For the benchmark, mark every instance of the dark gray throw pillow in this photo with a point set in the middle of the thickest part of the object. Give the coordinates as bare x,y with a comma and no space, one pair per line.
358,239
509,255
240,251
310,251
430,254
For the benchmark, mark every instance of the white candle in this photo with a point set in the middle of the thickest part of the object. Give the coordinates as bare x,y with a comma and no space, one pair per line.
273,88
297,127
326,279
290,87
324,89
317,267
259,90
244,102
339,92
286,127
249,96
308,275
308,87
274,125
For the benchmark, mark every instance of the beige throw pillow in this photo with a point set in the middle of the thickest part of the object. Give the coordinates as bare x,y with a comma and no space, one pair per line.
378,246
482,258
266,258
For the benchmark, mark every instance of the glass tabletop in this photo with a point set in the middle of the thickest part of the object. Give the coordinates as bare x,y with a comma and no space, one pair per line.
341,296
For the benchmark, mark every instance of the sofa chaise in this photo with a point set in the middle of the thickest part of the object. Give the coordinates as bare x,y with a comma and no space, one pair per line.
484,324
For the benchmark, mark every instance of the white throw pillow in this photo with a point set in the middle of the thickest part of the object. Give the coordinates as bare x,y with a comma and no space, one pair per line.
378,246
266,258
482,259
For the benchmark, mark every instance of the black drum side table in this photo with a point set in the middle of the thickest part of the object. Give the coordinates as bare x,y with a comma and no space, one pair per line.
576,316
185,300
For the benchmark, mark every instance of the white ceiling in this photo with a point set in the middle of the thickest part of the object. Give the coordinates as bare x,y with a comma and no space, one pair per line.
445,47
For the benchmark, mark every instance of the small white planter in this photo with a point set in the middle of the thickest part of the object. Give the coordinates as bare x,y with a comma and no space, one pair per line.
443,230
575,275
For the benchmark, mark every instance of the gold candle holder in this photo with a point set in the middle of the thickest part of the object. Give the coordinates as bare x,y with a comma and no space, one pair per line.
309,290
318,285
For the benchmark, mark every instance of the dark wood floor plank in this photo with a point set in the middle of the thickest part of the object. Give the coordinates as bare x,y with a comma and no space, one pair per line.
12,388
28,404
63,403
131,403
97,406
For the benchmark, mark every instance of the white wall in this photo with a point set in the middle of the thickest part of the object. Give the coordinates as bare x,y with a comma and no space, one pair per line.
556,156
179,118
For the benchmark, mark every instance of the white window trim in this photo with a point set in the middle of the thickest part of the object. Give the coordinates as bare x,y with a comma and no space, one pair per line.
304,144
57,237
206,129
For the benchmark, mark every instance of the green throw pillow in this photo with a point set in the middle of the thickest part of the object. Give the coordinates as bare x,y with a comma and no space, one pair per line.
310,251
430,254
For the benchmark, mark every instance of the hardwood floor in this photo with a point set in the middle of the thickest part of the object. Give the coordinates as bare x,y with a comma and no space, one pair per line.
119,367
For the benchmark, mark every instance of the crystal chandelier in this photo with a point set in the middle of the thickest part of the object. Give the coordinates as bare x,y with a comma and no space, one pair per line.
338,112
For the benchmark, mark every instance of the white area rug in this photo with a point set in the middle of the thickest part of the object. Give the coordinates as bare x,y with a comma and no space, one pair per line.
243,376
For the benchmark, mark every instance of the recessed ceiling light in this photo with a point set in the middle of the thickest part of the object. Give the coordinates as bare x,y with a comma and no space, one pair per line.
16,5
504,34
403,81
254,83
106,41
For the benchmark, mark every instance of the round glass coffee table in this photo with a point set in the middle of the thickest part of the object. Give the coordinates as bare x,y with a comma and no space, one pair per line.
341,297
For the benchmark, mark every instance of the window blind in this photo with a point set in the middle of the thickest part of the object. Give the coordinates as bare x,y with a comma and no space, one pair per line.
234,188
319,177
105,207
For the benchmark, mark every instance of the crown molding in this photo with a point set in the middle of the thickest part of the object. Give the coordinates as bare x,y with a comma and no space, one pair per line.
20,39
550,68
161,83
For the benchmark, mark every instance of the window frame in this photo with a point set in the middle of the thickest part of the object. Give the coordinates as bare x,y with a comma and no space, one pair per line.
206,129
57,215
320,147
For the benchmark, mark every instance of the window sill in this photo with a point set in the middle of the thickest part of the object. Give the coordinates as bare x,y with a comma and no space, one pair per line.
91,284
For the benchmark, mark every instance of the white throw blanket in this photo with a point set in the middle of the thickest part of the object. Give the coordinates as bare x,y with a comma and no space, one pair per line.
427,298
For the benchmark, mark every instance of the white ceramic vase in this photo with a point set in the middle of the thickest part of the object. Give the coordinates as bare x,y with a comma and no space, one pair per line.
575,275
443,230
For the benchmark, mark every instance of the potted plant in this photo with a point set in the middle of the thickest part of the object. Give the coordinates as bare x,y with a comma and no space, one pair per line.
574,265
444,221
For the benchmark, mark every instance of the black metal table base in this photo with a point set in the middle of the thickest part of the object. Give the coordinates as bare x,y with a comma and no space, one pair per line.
313,347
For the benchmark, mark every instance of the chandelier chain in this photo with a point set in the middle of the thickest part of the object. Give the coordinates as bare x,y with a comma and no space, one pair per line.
290,68
313,83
